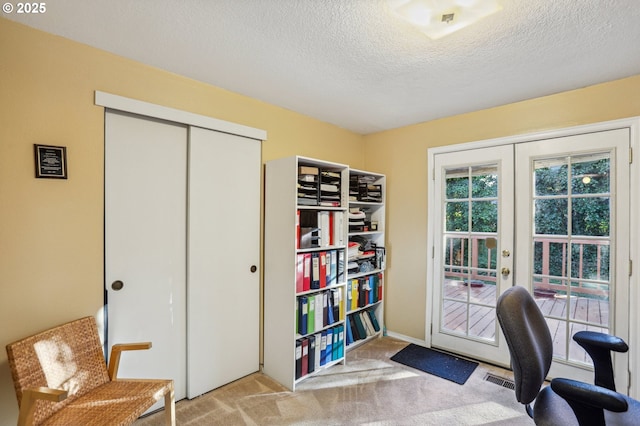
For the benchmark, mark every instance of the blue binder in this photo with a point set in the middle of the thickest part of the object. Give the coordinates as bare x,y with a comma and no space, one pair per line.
303,313
329,351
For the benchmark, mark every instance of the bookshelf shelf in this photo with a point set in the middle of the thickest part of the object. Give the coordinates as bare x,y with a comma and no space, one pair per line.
311,250
364,307
366,203
308,292
364,274
366,233
358,343
328,365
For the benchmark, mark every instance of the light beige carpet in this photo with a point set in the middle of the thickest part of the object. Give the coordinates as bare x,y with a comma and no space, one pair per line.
369,389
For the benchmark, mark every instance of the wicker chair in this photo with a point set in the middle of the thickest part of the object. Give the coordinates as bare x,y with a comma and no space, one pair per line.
61,378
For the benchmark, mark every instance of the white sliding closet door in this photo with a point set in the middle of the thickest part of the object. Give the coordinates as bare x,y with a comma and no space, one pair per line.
224,252
182,249
145,244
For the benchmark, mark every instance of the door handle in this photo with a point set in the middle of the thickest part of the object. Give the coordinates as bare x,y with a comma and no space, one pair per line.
505,272
117,285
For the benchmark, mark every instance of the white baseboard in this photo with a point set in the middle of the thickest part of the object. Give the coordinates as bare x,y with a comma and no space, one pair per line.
407,338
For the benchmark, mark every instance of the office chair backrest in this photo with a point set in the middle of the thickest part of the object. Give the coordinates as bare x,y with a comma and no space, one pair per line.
528,339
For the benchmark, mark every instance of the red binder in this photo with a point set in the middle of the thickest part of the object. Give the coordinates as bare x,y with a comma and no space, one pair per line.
306,274
323,269
299,273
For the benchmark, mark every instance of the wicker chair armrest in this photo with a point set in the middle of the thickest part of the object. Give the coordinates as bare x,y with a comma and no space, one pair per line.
29,398
116,350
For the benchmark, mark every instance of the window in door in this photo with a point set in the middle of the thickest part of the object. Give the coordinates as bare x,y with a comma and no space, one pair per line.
471,227
571,247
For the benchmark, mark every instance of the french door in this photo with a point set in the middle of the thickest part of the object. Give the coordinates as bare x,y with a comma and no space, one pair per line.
472,250
549,215
573,240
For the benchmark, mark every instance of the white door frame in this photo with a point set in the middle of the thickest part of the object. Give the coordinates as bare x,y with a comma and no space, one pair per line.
633,124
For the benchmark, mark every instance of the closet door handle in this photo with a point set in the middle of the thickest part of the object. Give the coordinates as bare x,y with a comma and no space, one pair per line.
117,285
253,268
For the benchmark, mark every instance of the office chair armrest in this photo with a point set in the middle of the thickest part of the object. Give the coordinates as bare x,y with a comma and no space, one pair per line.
601,340
588,401
599,347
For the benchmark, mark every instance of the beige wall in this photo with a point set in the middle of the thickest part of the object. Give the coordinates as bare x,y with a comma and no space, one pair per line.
401,154
51,237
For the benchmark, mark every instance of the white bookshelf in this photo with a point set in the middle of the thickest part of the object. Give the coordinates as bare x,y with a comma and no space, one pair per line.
373,236
281,253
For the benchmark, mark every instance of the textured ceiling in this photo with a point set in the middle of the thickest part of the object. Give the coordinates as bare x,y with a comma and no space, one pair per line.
354,64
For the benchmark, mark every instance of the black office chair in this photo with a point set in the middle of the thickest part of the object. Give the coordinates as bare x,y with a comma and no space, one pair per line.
565,402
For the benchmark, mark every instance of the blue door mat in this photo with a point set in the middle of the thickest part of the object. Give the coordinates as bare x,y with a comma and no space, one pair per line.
438,363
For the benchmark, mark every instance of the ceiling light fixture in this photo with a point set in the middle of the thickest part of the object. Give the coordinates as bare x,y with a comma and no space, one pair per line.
438,18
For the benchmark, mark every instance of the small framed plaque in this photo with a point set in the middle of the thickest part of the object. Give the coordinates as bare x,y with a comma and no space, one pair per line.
51,161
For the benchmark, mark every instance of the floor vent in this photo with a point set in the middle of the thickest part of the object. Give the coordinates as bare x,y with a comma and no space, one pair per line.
500,381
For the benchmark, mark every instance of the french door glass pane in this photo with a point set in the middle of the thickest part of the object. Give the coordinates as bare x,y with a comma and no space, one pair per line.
457,254
590,174
590,261
483,216
458,216
590,216
551,177
486,257
455,316
457,183
571,240
548,219
484,182
550,257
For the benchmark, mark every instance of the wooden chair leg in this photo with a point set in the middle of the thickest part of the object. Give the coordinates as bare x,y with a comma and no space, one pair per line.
170,407
26,409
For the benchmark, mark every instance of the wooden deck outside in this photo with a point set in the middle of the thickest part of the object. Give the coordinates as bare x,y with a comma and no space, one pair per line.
483,323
